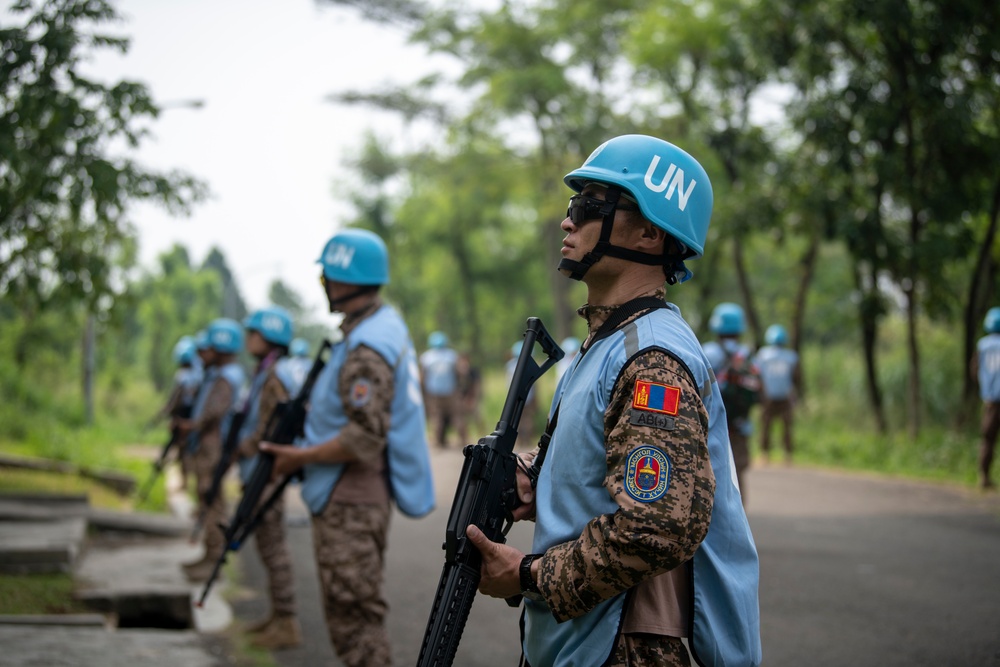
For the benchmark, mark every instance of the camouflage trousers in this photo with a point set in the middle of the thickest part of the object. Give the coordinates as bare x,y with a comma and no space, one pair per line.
273,549
203,463
770,411
349,541
646,650
442,414
741,457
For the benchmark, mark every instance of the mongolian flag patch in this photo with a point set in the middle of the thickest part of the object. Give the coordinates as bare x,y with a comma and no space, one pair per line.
656,397
647,474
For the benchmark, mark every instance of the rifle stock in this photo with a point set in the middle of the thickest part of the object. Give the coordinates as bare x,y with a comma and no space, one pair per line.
284,425
486,496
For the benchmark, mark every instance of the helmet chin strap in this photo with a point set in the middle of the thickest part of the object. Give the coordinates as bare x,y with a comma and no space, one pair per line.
364,289
673,264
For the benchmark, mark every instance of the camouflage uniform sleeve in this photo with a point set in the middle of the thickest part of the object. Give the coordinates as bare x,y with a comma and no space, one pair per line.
366,389
217,403
271,393
640,540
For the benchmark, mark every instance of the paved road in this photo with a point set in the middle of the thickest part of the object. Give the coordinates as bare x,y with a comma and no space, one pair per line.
854,571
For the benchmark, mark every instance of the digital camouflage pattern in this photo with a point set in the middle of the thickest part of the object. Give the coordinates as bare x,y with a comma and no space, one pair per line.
203,462
349,542
641,539
270,533
645,650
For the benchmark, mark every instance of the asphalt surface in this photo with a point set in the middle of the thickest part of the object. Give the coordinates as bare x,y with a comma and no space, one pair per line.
855,570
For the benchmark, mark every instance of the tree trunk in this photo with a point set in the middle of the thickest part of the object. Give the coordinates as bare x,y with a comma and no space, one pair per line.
743,279
88,369
868,316
807,265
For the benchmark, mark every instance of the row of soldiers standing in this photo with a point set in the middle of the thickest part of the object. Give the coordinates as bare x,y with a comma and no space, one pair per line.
365,413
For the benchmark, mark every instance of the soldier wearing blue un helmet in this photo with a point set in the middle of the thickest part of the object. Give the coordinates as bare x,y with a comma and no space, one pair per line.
632,487
738,380
268,337
779,375
364,446
985,369
207,428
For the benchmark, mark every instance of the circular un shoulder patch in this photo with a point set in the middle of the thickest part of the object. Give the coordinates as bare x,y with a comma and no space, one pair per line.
647,474
360,393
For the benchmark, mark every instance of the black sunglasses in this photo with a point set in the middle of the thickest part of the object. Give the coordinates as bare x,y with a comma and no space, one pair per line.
583,208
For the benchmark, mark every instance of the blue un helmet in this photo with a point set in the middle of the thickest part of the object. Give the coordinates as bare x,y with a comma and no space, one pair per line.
274,325
299,348
225,336
776,335
437,339
991,323
355,257
185,351
671,188
727,320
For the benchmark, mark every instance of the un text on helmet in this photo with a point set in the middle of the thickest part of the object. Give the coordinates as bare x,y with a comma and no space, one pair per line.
674,178
339,255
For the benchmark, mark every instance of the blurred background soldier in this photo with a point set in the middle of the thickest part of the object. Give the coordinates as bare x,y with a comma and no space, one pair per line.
268,335
180,403
779,375
440,385
738,380
986,369
207,429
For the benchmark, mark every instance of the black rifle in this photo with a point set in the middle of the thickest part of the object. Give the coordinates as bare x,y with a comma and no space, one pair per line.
284,425
221,468
486,496
183,412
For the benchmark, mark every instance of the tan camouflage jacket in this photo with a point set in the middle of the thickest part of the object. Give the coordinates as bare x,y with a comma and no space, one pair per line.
640,540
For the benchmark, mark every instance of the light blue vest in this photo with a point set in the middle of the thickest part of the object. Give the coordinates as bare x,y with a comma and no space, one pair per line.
571,492
231,373
438,365
988,348
776,365
408,455
291,383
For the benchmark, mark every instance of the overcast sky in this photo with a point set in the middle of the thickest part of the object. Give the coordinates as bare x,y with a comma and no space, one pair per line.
269,146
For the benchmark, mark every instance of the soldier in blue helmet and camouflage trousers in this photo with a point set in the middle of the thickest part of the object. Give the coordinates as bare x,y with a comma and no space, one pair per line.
779,375
985,368
364,446
642,553
268,336
207,429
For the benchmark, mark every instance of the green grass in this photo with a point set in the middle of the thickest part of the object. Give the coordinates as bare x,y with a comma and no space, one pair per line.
31,594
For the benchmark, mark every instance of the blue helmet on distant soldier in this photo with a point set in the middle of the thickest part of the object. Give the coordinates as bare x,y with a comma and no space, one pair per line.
274,324
727,320
185,351
991,323
299,348
776,335
225,336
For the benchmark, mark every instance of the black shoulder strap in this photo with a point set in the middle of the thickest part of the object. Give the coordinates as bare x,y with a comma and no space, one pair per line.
611,325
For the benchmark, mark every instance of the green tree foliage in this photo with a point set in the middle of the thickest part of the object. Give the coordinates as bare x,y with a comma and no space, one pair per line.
64,198
852,204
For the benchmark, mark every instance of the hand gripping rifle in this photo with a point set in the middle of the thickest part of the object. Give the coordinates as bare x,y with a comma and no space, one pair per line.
284,425
486,496
161,462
